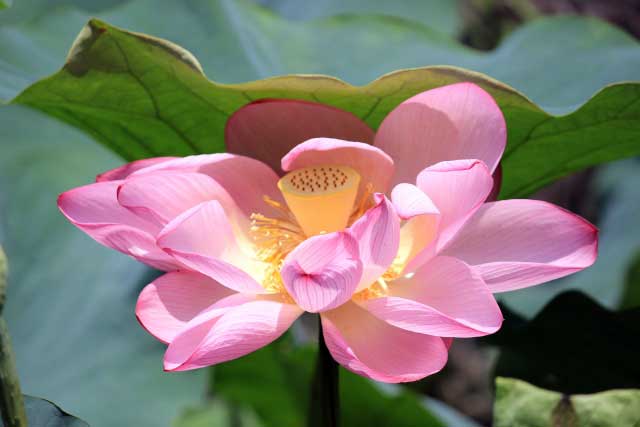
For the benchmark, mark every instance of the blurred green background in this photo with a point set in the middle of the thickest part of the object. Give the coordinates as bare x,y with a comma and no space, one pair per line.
71,302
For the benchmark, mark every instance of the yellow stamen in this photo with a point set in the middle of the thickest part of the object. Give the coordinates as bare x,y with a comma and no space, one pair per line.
274,238
378,289
321,197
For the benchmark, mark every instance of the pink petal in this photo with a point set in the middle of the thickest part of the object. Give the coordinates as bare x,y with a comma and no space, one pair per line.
246,180
221,334
374,349
374,165
378,236
267,129
138,244
418,234
95,210
409,201
168,303
163,196
458,188
323,271
459,121
518,243
124,171
202,239
445,297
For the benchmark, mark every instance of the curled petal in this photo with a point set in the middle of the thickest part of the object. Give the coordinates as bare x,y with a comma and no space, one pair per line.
267,129
378,236
514,244
375,349
445,297
374,165
459,121
323,271
231,328
168,303
410,201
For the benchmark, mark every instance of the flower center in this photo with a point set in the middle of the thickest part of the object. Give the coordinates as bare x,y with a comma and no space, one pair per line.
321,197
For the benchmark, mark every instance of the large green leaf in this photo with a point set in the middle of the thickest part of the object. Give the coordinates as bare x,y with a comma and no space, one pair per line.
70,305
441,15
572,346
519,404
237,41
275,381
43,413
112,76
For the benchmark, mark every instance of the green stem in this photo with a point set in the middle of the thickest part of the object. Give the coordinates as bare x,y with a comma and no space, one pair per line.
324,408
11,403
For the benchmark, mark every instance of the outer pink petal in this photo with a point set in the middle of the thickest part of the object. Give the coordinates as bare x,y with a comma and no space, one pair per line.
323,271
458,188
95,210
124,171
267,129
378,236
246,180
518,243
163,196
96,205
166,305
443,298
374,165
220,335
202,239
374,349
459,121
138,244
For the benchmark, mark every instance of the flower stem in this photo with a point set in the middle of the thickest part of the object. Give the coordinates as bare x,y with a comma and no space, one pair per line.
324,408
11,403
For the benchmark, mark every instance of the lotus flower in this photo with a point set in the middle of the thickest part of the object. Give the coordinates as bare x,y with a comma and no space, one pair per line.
387,235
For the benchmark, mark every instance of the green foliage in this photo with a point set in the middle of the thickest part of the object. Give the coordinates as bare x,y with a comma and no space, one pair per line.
631,296
440,15
572,346
519,404
3,278
217,413
71,301
236,41
43,413
112,75
274,381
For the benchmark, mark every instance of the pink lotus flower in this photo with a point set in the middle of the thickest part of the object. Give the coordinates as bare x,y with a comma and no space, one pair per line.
389,238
